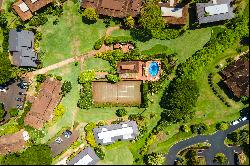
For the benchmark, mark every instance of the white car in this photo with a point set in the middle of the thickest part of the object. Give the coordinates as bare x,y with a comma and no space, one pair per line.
2,90
235,122
244,118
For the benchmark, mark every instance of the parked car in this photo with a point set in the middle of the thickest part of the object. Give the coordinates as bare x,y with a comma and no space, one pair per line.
19,106
21,93
59,140
3,90
18,99
235,122
67,133
244,118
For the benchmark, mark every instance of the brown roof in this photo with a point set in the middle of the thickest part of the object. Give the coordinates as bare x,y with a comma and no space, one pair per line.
12,143
23,15
174,20
36,5
236,77
114,8
128,67
45,103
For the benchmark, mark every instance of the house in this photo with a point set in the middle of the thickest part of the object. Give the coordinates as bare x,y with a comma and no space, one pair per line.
213,11
123,92
109,134
26,8
139,70
114,8
44,104
13,142
21,44
85,157
174,13
236,77
65,140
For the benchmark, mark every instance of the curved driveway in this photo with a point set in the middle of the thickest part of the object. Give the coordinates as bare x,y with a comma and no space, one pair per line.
217,145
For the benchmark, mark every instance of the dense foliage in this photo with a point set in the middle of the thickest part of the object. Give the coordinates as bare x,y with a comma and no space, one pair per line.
34,155
85,101
99,152
220,158
7,72
222,126
13,112
154,159
113,78
2,111
129,22
89,15
66,87
121,112
89,134
40,78
179,100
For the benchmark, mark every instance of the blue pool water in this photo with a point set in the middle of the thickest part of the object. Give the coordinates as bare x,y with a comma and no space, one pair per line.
153,68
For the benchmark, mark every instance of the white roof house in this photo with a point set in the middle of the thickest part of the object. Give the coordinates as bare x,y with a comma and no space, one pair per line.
109,134
85,157
26,136
23,7
217,9
171,12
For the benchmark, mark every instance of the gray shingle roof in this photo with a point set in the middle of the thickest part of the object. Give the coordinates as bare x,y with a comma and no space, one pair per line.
204,18
87,151
113,128
21,43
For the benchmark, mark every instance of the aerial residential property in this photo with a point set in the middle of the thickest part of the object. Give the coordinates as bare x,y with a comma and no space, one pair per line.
42,107
109,134
124,82
26,8
85,157
114,8
174,13
21,46
215,10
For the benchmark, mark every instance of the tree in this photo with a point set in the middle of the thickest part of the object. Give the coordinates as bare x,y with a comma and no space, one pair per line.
222,126
59,110
40,78
6,71
99,152
220,158
129,22
184,128
86,76
192,157
179,100
121,112
154,159
89,16
3,20
34,155
234,137
66,87
151,17
113,78
2,111
13,112
38,20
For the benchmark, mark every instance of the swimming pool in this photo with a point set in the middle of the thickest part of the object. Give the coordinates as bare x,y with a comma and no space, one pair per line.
153,68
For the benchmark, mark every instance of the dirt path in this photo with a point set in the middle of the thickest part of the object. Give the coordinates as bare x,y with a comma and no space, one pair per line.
111,29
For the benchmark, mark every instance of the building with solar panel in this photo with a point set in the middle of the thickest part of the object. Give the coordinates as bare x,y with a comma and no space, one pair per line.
214,11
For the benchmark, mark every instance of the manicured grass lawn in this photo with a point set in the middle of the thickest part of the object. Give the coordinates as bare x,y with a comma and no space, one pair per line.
70,37
117,155
96,64
9,128
69,73
184,46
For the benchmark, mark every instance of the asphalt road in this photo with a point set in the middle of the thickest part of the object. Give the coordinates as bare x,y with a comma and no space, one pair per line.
217,145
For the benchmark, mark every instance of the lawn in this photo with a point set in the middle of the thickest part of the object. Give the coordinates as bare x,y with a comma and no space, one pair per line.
96,64
64,40
209,109
117,155
69,73
185,46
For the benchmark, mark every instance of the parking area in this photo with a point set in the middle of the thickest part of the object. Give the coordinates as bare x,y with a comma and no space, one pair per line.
13,97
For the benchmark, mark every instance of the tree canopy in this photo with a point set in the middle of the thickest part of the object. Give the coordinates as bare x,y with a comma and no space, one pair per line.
2,111
34,155
154,159
89,15
180,98
6,71
151,17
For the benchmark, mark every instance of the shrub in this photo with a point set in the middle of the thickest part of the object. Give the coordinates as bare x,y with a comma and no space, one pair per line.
2,111
154,159
86,76
99,43
13,112
121,112
222,126
144,95
66,87
38,20
86,101
200,128
89,16
113,78
40,78
59,110
99,152
129,22
220,158
89,134
59,78
184,128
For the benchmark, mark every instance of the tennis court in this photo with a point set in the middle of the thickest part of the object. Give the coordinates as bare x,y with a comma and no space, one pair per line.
124,92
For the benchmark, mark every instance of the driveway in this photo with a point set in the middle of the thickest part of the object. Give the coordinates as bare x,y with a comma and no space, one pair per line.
217,145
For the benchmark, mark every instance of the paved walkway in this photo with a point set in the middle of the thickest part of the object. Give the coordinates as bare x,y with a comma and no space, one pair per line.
217,145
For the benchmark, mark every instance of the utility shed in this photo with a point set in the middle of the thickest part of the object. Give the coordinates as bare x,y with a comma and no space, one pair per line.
21,43
215,10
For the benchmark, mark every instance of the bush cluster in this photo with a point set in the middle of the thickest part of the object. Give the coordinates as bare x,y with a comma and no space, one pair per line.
89,134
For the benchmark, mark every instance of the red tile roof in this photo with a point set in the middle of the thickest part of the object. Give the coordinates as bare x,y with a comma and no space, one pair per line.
42,108
23,15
